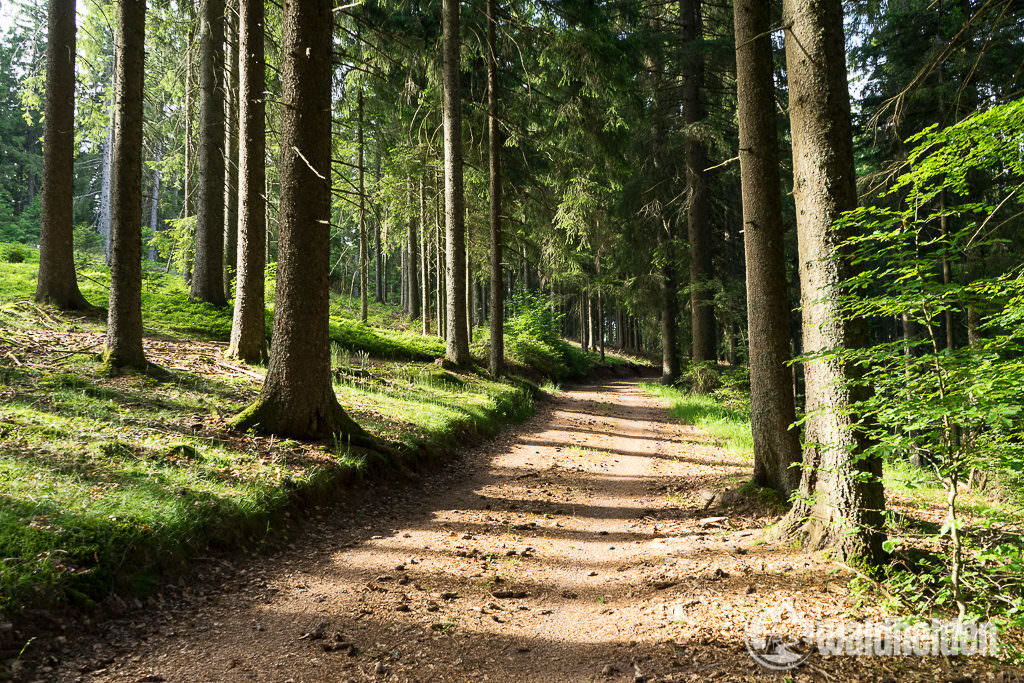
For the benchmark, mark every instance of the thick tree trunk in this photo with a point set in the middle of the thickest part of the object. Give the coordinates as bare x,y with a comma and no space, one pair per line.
248,329
363,250
231,145
57,283
702,312
497,358
454,207
208,271
841,500
124,319
776,445
298,398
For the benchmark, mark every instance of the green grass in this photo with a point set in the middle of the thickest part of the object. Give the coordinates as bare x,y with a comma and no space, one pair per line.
108,483
166,307
730,428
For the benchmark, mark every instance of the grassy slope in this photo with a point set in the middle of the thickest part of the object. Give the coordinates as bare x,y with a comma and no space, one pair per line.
106,482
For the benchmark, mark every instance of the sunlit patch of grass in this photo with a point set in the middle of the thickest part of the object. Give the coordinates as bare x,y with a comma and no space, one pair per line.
106,481
551,387
728,427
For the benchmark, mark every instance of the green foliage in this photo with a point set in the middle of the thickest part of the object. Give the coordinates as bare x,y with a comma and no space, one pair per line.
177,242
87,239
13,253
532,339
955,409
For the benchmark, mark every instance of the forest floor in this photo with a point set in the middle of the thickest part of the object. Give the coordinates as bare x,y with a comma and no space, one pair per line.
583,544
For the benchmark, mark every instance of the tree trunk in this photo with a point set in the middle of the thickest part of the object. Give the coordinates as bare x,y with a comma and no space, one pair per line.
841,500
439,268
424,261
231,145
154,204
378,252
364,266
497,358
702,312
248,328
469,300
411,262
776,446
57,283
105,216
208,271
124,318
189,151
298,398
454,212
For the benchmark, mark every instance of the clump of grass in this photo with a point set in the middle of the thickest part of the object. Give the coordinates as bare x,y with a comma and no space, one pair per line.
730,427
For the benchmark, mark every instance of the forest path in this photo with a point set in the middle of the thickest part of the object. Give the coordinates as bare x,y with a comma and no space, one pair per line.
574,546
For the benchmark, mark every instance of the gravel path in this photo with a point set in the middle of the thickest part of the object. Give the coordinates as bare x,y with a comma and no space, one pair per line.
580,545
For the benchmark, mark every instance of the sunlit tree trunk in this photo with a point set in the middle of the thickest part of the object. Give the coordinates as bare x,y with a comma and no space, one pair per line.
841,502
124,319
208,270
776,445
497,357
231,145
57,283
455,227
248,329
363,247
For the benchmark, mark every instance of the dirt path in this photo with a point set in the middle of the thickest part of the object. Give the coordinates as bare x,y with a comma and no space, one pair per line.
573,547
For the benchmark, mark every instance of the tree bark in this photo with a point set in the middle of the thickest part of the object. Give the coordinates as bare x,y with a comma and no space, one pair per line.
378,252
154,204
424,261
231,154
439,267
412,262
57,283
208,271
454,201
772,411
124,317
667,275
841,501
248,328
298,398
363,247
702,312
497,358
